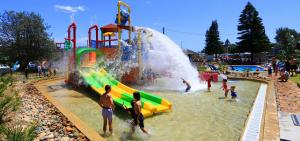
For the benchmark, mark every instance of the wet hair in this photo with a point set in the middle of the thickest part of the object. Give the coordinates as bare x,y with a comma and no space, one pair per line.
107,88
137,96
132,103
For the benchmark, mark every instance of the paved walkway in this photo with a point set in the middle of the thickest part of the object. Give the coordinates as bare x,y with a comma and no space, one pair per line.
288,102
288,97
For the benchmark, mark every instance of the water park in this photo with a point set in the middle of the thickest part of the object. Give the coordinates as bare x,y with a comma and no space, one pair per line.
123,81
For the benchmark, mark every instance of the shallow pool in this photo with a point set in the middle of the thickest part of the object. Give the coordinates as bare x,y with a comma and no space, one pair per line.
244,68
196,116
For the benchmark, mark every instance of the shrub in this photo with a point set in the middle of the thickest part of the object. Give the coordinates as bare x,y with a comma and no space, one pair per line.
7,105
4,83
18,133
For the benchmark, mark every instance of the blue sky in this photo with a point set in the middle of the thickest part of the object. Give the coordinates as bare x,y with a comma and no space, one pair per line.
185,20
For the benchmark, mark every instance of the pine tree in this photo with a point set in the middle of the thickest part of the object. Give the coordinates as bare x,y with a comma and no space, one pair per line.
213,44
251,32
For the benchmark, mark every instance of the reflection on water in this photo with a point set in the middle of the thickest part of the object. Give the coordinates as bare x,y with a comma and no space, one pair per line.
196,116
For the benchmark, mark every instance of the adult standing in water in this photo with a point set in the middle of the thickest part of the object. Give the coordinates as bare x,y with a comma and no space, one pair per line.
107,104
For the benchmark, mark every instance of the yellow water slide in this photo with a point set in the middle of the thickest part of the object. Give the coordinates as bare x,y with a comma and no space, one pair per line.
123,94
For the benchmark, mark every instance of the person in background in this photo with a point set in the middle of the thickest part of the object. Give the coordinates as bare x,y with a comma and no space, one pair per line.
209,82
256,73
188,86
54,71
39,68
276,69
293,63
233,93
269,71
274,63
287,76
225,87
287,65
26,72
284,75
107,104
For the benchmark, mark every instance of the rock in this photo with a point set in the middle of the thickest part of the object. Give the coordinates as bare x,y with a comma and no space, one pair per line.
56,134
65,139
43,134
69,129
43,139
53,128
51,136
71,135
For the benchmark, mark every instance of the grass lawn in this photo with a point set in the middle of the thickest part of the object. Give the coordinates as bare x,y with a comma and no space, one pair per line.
295,79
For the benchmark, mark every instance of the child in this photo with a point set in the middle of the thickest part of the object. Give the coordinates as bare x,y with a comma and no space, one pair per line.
269,71
233,93
188,86
136,113
209,82
225,87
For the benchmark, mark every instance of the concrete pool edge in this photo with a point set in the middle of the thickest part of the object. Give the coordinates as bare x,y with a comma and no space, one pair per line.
270,124
90,133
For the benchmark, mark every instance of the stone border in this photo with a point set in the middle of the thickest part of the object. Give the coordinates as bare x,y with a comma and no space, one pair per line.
90,133
270,122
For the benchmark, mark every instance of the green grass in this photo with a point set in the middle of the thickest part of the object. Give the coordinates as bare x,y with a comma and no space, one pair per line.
295,79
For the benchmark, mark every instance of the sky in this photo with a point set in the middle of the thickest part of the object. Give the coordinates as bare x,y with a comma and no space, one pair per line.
185,21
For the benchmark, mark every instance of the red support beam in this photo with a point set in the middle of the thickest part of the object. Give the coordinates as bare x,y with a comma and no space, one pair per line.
73,26
90,36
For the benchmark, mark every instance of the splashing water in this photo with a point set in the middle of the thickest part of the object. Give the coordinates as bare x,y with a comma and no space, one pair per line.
165,58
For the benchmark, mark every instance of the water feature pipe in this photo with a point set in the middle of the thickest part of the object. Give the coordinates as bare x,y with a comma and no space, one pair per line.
90,36
73,26
92,55
139,44
120,3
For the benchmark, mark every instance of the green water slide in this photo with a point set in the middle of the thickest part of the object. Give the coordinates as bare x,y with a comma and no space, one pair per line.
121,94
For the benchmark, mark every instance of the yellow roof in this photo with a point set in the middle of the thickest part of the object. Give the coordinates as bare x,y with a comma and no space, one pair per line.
109,34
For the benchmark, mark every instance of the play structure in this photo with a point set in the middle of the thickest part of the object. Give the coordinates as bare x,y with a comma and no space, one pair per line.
86,64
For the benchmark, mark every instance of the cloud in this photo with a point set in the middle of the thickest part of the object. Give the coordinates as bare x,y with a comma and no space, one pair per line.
69,9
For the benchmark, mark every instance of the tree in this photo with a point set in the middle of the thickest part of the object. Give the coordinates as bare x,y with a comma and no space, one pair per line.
213,45
287,40
227,46
24,37
251,32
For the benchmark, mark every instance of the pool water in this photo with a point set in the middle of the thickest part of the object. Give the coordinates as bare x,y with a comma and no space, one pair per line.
244,68
197,116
